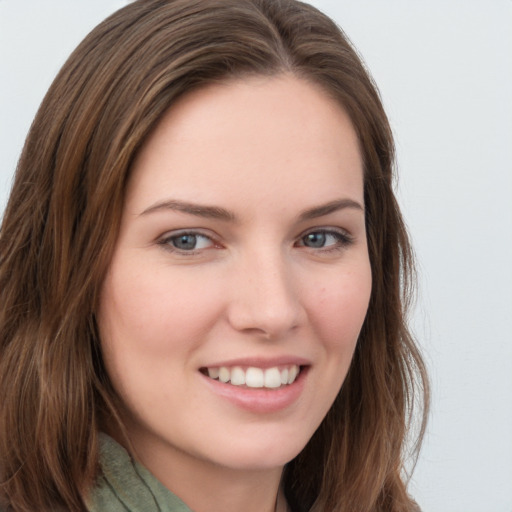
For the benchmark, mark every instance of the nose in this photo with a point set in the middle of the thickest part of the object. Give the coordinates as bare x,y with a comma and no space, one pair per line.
264,296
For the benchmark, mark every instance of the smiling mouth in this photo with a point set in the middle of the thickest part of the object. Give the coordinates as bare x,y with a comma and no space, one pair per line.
253,377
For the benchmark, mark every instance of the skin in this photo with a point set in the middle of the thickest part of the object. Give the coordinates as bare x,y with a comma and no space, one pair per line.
268,282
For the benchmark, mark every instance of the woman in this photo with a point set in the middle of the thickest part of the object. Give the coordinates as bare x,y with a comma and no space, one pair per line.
204,274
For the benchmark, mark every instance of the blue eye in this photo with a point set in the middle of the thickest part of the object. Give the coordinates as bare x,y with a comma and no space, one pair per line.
315,240
187,242
323,239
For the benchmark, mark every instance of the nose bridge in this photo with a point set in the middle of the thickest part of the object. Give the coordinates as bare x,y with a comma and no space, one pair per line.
265,297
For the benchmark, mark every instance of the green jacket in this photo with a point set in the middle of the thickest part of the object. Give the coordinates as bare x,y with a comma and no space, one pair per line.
126,486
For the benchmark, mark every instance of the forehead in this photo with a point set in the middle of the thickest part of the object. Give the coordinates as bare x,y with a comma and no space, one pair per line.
250,136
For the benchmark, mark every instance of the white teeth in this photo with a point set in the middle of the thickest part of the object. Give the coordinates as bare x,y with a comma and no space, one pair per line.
292,374
224,374
253,377
213,373
272,378
237,376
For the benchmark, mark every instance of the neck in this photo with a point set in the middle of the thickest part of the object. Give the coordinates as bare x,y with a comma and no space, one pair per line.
206,487
229,491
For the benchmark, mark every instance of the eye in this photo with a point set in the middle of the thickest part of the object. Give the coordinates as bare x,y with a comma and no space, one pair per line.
325,239
187,242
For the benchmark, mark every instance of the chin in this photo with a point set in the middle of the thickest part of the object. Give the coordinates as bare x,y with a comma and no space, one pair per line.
262,454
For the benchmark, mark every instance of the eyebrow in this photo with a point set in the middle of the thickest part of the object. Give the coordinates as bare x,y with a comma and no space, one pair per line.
216,212
210,212
330,207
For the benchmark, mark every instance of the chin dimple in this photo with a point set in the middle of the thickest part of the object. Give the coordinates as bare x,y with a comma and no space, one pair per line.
253,377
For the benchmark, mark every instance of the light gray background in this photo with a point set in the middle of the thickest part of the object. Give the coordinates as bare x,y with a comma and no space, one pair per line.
444,69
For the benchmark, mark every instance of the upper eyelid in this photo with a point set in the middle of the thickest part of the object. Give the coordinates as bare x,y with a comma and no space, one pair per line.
326,229
187,231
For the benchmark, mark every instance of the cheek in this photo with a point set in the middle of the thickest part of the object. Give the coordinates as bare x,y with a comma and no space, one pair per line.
153,311
150,323
338,308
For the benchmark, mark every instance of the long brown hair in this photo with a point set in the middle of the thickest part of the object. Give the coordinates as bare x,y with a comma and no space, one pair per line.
62,220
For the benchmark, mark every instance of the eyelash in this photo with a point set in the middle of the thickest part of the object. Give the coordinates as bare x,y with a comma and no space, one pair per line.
167,242
343,240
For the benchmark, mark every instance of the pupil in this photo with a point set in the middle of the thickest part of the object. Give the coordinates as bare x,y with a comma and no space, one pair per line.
315,240
185,242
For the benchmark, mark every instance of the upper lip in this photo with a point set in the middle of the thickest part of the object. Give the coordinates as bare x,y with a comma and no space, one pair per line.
260,362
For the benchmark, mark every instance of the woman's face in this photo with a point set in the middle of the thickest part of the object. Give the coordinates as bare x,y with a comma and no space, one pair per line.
241,257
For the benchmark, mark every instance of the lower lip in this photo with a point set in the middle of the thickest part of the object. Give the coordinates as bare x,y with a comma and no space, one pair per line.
261,400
